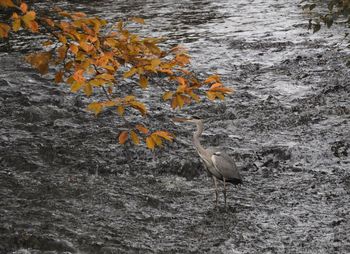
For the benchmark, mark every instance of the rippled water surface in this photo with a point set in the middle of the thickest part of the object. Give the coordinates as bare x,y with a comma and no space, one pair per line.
66,186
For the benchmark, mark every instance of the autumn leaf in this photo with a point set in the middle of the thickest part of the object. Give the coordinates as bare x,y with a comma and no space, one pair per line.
88,89
7,3
130,73
143,81
157,140
213,78
120,110
167,95
164,134
4,30
123,137
59,77
142,128
216,85
134,137
74,49
76,86
40,61
95,107
180,101
16,24
78,76
150,143
23,7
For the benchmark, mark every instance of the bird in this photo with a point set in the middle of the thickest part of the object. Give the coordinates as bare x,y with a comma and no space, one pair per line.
219,165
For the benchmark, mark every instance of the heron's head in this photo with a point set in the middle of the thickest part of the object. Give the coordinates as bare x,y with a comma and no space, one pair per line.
195,120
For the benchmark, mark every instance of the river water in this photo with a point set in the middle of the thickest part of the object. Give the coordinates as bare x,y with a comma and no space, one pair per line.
66,186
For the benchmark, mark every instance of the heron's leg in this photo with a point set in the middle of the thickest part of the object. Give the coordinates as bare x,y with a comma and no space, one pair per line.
224,190
216,191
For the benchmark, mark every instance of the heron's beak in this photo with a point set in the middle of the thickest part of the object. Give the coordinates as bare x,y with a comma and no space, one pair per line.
180,120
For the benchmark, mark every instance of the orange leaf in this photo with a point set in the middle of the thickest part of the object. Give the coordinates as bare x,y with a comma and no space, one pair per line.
23,7
213,78
95,107
74,48
181,81
143,81
167,95
134,137
40,61
78,76
16,24
216,85
142,128
150,143
123,137
76,86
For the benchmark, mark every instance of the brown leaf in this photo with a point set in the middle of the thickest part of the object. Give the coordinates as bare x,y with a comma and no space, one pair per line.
143,81
142,128
59,77
123,137
134,137
40,61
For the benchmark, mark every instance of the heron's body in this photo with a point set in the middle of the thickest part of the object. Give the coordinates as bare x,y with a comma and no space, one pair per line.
218,163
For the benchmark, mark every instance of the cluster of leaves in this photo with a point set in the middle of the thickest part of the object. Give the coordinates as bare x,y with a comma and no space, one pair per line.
327,13
90,55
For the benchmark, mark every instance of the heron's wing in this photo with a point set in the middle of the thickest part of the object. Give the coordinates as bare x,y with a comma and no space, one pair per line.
225,165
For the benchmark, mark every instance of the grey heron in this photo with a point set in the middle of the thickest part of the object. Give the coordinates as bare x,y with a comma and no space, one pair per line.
219,165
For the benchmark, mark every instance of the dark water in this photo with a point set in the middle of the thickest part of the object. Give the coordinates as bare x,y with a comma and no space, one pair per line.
66,186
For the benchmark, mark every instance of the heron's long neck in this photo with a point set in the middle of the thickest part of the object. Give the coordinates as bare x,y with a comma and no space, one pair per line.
196,136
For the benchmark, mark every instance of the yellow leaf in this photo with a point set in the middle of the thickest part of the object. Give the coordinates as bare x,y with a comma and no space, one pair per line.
164,134
105,76
139,106
130,73
213,78
97,82
28,17
134,137
129,98
59,77
211,95
179,100
167,95
120,110
142,128
23,7
4,30
150,143
123,137
138,20
95,107
16,24
120,25
156,139
155,62
88,89
76,86
143,81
